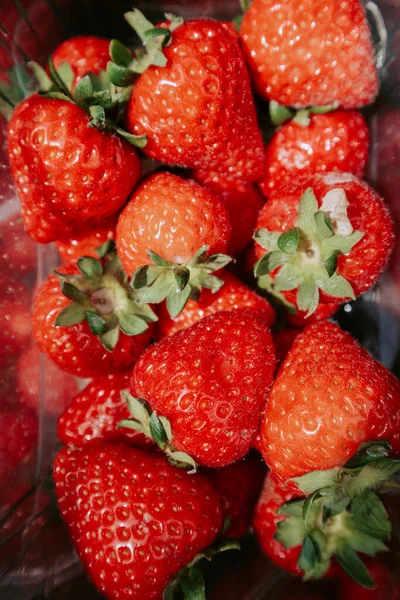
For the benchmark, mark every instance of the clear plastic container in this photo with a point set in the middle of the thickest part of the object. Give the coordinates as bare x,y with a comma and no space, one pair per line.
38,560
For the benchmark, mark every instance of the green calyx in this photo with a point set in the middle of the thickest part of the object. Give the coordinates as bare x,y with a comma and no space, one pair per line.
244,5
101,295
156,428
342,514
307,254
19,85
177,283
280,114
125,67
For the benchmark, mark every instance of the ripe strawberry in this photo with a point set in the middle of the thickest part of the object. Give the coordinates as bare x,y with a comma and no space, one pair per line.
243,203
135,520
322,312
87,319
233,295
323,257
283,341
238,487
41,385
18,439
8,394
210,381
194,103
15,321
322,55
338,141
96,411
18,253
84,54
164,235
329,397
86,243
387,584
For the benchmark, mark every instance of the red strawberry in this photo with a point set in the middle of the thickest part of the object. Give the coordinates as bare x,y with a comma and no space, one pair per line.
322,312
18,253
15,320
337,236
311,53
8,394
283,341
337,141
238,486
41,386
102,330
387,584
18,439
134,519
164,235
195,105
210,381
233,295
86,243
243,203
87,178
96,411
329,397
84,54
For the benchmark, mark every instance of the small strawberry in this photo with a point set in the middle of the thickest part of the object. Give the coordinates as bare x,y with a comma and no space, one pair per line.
84,54
169,236
86,243
70,168
191,97
329,397
238,487
233,295
87,319
18,253
135,520
41,386
18,439
333,239
243,202
386,582
15,320
338,141
209,382
96,411
322,55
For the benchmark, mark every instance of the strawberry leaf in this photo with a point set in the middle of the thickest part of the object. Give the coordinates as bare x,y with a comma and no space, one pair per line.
368,452
369,514
131,324
288,241
71,315
267,239
308,206
279,114
177,300
89,266
338,287
120,54
109,339
354,567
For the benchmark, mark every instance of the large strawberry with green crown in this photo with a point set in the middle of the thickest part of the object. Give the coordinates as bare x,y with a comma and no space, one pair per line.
310,53
170,237
84,54
191,96
136,521
201,392
70,167
328,237
88,319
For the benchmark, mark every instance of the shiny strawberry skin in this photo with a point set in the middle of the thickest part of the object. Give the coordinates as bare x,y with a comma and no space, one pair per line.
15,319
134,519
233,295
283,341
329,397
86,243
198,110
337,141
18,439
273,495
174,218
95,412
243,202
210,381
322,54
75,349
69,176
84,54
367,213
18,252
322,312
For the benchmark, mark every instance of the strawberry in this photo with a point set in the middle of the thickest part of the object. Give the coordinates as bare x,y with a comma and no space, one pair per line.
333,239
18,439
322,55
168,236
18,252
135,520
338,141
194,101
387,584
96,411
233,295
87,319
86,243
329,397
243,203
238,487
15,321
209,382
84,54
41,385
90,174
323,311
283,341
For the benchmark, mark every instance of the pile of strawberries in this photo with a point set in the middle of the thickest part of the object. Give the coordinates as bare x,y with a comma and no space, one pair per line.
147,168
